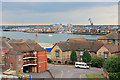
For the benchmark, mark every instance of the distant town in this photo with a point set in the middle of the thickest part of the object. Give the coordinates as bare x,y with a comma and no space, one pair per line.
68,28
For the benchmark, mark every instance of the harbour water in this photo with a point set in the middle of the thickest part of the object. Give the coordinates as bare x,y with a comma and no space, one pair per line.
45,38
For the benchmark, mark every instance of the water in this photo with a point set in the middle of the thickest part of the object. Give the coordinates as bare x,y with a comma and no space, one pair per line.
45,38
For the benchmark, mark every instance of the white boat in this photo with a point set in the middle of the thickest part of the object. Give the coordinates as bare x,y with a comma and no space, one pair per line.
50,35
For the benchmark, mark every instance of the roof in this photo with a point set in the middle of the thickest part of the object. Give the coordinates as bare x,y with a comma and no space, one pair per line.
114,35
83,39
15,40
29,41
35,46
14,52
4,45
112,47
80,45
20,46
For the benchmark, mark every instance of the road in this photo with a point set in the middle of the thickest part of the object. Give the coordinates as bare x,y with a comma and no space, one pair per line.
68,71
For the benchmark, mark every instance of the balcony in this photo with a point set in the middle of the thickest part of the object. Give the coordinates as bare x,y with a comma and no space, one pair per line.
28,56
28,63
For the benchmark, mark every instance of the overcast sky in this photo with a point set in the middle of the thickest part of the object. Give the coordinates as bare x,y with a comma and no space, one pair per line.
59,12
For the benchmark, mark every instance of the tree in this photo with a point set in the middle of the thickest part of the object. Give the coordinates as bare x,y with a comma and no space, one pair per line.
86,57
112,64
73,56
97,62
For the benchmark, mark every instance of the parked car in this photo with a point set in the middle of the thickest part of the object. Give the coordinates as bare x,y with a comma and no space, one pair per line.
81,65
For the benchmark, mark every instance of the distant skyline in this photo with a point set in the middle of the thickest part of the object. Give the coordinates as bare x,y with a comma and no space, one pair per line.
59,12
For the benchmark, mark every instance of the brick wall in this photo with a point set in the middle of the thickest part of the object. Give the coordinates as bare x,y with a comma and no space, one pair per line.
42,61
14,59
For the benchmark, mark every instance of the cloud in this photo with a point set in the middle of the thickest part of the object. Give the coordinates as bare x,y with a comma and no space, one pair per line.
104,13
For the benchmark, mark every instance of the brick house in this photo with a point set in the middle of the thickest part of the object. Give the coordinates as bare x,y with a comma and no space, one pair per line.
61,51
108,50
4,47
27,57
111,38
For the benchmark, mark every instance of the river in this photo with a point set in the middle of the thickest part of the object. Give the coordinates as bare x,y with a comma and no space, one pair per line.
46,38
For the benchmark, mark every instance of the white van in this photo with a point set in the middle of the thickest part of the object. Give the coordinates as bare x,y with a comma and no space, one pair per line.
81,65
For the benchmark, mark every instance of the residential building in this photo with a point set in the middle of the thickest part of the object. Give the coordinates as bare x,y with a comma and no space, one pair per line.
111,38
108,50
23,56
27,57
61,51
4,47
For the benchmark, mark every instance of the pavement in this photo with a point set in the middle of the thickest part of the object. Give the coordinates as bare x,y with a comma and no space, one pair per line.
68,71
65,72
41,75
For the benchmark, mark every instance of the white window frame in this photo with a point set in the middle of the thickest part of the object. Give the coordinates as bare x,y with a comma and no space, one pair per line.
3,53
105,55
81,53
3,61
19,64
11,65
99,53
19,57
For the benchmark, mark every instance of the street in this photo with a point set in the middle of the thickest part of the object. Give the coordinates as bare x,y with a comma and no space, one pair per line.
68,71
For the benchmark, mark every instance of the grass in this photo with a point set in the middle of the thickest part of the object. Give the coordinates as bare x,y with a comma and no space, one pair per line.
96,77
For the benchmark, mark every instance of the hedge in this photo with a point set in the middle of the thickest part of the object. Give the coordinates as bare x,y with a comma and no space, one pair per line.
97,62
114,76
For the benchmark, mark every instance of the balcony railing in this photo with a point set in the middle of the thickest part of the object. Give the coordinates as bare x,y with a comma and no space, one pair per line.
29,62
30,55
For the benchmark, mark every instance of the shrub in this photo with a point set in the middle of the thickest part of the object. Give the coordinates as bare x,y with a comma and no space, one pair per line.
86,57
49,60
53,62
97,62
114,76
112,64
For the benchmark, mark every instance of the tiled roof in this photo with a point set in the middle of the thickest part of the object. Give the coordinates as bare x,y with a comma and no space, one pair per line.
111,36
29,41
14,52
35,46
80,45
15,40
112,47
20,46
4,45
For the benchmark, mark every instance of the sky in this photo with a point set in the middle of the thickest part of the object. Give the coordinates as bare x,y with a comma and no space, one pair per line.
59,12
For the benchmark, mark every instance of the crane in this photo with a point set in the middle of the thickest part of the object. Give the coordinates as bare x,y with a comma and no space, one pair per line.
90,22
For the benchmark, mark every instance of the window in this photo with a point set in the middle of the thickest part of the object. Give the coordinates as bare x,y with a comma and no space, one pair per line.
81,53
67,56
99,53
105,55
3,62
27,53
81,58
19,57
57,54
19,64
113,41
11,65
2,53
